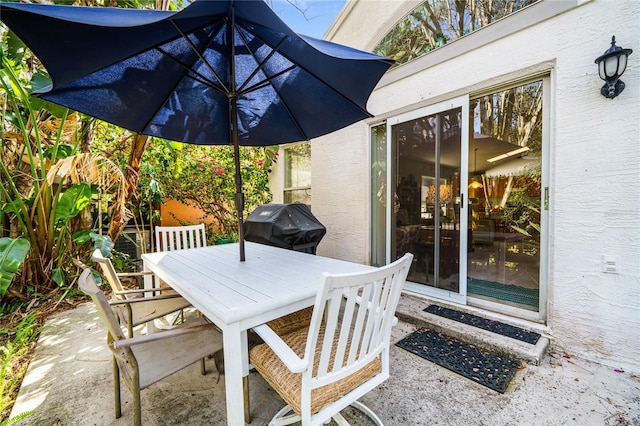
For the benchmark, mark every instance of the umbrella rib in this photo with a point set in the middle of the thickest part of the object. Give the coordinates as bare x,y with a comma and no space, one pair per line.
266,81
200,78
307,71
314,75
261,64
293,117
202,58
346,98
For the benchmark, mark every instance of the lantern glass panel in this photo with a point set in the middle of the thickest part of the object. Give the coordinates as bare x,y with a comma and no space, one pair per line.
622,64
601,70
611,66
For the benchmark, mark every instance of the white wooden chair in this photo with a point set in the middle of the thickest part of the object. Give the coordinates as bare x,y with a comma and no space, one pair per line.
170,238
143,360
180,237
342,355
139,306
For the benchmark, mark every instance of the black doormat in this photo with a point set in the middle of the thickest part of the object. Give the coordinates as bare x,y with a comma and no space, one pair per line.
489,369
518,333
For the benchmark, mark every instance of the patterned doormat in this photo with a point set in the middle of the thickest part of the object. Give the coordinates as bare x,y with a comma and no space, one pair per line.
506,292
487,368
503,329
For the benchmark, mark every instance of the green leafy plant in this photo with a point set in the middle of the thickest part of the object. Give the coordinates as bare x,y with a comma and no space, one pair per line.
522,210
47,183
16,419
12,254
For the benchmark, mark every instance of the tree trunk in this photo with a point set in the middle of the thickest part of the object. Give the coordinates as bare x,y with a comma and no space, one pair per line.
131,175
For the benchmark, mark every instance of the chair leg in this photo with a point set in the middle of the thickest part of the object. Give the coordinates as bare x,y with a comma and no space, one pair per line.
245,394
218,359
367,411
116,388
285,416
340,420
203,369
137,404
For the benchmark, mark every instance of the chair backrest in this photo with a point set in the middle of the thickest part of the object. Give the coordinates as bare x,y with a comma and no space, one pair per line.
180,237
87,283
124,356
109,273
356,312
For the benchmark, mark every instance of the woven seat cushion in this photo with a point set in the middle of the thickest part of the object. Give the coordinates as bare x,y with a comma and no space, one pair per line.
292,322
288,384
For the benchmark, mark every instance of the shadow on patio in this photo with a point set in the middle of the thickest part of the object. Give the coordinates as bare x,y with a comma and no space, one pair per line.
69,382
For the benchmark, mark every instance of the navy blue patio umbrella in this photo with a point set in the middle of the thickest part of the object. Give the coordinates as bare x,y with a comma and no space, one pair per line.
219,72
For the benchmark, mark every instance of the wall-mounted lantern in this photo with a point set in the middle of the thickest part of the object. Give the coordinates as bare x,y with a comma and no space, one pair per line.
611,65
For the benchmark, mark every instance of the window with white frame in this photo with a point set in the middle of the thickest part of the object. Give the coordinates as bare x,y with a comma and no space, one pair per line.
434,23
297,174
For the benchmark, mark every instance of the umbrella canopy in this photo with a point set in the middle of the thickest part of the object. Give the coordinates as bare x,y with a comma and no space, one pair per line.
219,72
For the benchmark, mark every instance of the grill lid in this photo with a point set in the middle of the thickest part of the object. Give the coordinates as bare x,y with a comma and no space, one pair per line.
290,226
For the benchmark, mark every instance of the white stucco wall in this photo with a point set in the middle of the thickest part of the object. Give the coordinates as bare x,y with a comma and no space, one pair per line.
594,165
340,193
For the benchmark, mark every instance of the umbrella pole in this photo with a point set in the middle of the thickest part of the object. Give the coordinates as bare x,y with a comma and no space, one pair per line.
233,122
239,199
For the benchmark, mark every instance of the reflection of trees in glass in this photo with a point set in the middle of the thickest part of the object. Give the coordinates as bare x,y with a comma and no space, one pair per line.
297,174
436,22
513,115
298,165
414,134
379,162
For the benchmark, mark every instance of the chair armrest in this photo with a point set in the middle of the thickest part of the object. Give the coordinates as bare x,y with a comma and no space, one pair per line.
144,299
134,274
281,349
117,344
147,290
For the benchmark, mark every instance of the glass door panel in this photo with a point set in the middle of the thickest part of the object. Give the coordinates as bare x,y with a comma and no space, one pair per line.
427,164
505,197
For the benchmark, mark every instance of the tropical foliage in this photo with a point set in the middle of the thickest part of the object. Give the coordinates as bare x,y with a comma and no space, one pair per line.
12,254
64,175
45,179
200,176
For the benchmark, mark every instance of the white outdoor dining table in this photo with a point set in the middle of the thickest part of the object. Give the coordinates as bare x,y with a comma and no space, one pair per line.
237,296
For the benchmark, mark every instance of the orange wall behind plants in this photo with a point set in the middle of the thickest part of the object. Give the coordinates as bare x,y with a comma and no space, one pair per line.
172,210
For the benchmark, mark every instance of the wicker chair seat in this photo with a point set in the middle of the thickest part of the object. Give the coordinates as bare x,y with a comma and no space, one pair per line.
289,384
292,322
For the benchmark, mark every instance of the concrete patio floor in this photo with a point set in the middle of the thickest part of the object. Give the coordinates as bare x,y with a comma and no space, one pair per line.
69,382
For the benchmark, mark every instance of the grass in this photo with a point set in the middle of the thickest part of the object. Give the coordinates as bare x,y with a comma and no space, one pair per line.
15,354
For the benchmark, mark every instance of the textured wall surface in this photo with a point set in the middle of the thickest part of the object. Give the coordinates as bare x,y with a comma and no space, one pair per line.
340,192
593,168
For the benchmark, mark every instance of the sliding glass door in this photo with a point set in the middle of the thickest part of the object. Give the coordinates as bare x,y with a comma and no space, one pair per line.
462,185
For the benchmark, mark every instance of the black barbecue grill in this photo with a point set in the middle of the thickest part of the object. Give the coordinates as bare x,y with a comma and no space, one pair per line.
289,226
